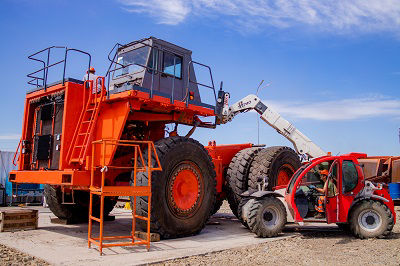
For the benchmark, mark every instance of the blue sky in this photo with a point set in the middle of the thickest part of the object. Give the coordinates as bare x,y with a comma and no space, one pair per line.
334,66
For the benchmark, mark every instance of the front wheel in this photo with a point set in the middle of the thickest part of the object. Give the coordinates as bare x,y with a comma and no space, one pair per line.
267,217
183,193
371,219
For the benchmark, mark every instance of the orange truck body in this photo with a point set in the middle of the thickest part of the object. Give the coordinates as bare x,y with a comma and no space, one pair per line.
115,111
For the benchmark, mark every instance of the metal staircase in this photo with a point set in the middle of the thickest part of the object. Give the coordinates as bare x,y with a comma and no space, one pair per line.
83,134
98,188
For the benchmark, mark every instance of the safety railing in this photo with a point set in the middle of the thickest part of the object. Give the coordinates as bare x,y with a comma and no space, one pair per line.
39,77
16,154
192,63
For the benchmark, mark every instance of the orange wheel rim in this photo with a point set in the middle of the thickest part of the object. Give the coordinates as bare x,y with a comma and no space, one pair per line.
285,172
185,188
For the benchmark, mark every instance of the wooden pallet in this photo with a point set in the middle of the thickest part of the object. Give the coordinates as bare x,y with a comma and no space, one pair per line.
18,219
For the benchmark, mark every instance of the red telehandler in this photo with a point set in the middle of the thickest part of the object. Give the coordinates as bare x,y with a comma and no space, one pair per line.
350,199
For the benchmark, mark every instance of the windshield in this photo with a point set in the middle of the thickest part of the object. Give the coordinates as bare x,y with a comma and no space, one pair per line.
295,176
129,62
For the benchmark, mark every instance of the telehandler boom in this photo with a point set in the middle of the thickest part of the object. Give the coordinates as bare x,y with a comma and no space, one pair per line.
302,144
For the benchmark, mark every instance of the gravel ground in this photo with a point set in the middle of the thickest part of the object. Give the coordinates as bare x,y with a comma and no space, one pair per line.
304,247
10,256
308,247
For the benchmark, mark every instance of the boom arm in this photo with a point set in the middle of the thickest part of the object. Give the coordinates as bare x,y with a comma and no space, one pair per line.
302,144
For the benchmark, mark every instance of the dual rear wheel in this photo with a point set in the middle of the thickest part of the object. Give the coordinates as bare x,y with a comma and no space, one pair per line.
276,164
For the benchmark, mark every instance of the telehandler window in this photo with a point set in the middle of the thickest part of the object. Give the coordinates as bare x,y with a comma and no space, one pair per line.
168,64
332,181
349,176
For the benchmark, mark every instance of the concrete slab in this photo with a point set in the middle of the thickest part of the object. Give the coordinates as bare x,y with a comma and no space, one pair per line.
67,244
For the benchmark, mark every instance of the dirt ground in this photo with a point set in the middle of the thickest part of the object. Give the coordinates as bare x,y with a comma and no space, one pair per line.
308,247
10,256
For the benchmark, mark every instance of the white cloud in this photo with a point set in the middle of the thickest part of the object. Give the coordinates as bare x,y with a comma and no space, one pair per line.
171,12
344,109
339,16
10,137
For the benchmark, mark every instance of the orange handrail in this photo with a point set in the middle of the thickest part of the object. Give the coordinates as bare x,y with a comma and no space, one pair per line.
16,152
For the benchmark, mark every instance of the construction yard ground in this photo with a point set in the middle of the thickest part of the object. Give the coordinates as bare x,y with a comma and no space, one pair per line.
223,241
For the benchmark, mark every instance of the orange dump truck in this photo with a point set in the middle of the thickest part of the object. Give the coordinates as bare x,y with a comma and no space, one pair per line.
110,133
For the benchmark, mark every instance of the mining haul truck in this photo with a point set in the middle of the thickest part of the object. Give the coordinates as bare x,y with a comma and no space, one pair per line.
80,135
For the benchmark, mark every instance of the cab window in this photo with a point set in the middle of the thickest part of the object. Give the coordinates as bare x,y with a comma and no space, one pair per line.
349,176
152,63
332,180
172,64
294,178
131,62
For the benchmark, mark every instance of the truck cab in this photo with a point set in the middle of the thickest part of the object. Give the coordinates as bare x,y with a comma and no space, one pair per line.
153,64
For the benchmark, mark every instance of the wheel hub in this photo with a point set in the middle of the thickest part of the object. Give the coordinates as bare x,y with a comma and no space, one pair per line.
369,220
270,217
184,189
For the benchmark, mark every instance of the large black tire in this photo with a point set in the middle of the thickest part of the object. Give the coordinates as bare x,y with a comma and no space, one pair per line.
266,217
169,218
242,202
217,205
78,212
237,176
272,162
370,218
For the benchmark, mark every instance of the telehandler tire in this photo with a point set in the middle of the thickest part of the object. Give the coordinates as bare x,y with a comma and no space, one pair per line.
183,193
278,163
237,176
370,219
267,217
242,202
78,212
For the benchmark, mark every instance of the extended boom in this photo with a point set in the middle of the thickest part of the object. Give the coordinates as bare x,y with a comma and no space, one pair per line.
302,144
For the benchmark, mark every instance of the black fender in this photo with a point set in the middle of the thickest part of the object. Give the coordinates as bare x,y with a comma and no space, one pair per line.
252,193
359,199
263,194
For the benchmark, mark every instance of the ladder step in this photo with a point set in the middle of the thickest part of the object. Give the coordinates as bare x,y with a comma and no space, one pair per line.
79,146
83,134
141,217
95,218
90,110
85,122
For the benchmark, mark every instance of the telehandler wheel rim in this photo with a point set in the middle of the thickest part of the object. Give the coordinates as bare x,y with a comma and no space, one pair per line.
270,216
369,220
185,188
285,172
